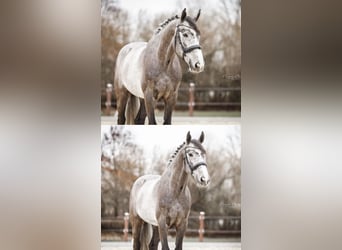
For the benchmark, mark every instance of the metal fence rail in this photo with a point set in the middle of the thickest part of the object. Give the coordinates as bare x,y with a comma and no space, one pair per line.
121,226
203,98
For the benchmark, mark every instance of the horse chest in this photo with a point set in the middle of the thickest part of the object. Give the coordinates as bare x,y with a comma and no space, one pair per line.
176,215
165,88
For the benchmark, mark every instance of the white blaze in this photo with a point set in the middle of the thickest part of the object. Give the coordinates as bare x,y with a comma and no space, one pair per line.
201,173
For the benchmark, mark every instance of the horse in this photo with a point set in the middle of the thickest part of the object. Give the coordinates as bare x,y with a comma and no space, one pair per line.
147,72
158,203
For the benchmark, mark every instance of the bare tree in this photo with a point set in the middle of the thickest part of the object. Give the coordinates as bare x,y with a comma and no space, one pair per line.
224,193
128,165
115,32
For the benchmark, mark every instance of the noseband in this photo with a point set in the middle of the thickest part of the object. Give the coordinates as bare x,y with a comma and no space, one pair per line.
185,49
193,167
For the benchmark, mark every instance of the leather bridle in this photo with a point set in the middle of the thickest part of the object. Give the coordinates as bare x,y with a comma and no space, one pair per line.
184,49
193,167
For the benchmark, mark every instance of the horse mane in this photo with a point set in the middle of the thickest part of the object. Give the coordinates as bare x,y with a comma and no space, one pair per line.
165,23
173,156
189,19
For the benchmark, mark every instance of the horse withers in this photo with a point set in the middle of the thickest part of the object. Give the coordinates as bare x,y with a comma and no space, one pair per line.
158,203
147,72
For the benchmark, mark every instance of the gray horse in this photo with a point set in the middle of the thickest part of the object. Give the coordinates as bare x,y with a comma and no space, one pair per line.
148,72
158,203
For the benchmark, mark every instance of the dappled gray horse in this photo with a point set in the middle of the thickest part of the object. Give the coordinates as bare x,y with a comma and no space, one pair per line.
148,72
164,201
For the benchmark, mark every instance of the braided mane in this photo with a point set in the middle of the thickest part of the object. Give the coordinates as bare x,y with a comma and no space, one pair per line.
173,156
166,22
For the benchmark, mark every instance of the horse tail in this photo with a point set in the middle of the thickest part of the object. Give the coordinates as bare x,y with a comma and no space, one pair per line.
132,108
146,236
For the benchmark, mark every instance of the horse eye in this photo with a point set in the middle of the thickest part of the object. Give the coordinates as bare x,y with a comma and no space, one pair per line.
185,35
191,155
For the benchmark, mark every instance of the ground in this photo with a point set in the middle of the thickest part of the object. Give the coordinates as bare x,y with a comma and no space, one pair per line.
186,245
182,118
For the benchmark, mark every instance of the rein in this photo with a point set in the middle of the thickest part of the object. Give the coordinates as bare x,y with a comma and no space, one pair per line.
185,49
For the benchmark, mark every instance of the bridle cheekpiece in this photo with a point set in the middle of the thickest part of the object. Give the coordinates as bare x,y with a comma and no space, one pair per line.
192,167
185,49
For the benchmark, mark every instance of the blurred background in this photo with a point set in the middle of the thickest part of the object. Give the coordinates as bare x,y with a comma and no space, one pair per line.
128,152
217,89
291,125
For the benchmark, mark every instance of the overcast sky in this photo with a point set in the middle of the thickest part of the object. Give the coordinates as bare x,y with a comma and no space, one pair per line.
165,6
152,6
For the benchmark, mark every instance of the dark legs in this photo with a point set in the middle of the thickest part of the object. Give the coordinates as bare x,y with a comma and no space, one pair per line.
141,116
122,96
149,102
170,103
180,231
137,223
169,106
155,239
163,233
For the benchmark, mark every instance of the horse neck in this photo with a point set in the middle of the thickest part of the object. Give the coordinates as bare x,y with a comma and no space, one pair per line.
179,177
166,51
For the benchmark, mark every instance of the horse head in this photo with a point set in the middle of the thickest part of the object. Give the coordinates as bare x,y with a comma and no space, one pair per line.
187,45
195,160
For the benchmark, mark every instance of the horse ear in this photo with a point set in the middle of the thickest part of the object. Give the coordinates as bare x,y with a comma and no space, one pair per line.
201,139
183,15
198,15
188,137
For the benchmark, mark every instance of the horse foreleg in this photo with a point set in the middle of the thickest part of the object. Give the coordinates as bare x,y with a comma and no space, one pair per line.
149,104
169,106
163,233
180,232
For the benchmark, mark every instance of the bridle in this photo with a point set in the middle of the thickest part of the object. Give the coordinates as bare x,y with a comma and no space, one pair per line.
185,49
192,167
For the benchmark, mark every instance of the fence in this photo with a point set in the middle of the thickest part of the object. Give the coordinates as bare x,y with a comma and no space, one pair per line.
191,97
230,226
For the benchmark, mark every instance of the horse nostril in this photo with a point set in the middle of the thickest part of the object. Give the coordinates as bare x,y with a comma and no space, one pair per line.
203,179
197,65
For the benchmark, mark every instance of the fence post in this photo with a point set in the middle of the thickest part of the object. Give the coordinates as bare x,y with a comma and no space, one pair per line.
191,98
201,226
125,230
109,90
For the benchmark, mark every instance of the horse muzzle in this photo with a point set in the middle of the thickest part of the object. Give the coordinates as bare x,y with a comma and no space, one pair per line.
204,181
197,66
201,175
